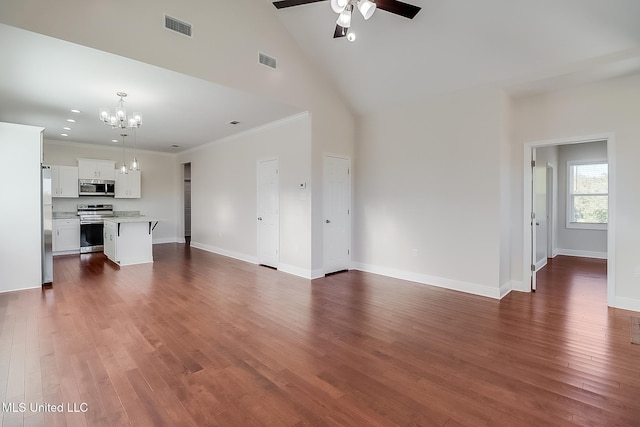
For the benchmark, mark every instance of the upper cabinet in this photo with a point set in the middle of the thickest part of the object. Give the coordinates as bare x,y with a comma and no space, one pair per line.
96,169
64,181
128,185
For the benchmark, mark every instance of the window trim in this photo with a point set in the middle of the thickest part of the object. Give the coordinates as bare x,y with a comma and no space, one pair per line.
569,189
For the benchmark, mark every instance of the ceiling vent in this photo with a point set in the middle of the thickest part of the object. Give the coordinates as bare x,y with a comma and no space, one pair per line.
268,61
177,25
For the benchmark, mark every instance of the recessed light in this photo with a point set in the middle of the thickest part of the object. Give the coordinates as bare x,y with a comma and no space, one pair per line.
234,122
71,120
66,128
114,140
175,146
64,134
75,111
351,36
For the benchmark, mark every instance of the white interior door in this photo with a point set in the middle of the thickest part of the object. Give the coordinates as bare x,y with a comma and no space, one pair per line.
337,214
268,213
533,220
540,183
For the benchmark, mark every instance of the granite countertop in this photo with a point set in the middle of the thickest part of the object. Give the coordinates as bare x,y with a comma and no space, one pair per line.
64,215
137,218
126,213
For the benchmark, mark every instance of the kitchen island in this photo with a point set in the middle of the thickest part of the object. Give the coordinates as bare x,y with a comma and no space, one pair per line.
128,240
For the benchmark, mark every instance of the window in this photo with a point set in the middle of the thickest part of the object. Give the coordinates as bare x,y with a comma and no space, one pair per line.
588,194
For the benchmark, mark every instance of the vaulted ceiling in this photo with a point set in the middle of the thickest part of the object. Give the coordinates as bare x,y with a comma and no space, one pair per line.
524,47
457,44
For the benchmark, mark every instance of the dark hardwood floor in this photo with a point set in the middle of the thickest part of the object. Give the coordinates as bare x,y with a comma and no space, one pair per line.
198,339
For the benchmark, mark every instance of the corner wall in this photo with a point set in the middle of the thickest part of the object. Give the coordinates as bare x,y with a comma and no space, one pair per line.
21,225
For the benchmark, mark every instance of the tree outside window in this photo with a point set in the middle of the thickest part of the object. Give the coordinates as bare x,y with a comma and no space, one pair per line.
588,201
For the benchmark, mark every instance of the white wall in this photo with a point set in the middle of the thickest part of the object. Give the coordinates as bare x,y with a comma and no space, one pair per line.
159,180
611,106
224,192
573,240
428,191
20,220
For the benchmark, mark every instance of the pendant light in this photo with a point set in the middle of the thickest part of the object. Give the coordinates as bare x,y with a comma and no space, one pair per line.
135,165
123,168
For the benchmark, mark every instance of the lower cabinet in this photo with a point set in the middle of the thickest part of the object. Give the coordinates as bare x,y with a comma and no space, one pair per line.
66,235
110,235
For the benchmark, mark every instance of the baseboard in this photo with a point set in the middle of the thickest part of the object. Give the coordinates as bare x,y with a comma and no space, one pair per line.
296,271
583,254
626,303
505,289
456,285
4,291
167,240
520,286
541,263
225,252
75,252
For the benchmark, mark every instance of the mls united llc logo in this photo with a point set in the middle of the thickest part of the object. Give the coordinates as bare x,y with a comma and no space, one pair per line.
22,407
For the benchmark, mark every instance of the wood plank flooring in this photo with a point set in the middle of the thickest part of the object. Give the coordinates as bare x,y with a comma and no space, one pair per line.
198,339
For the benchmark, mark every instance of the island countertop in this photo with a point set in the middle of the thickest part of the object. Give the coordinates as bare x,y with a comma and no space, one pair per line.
139,218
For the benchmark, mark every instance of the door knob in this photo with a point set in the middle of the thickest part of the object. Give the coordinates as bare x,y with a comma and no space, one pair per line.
327,221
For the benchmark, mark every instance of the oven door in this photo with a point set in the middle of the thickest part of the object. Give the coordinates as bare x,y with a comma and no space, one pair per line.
91,237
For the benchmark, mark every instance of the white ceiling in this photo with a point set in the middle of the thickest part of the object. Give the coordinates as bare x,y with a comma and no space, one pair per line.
43,78
458,44
525,47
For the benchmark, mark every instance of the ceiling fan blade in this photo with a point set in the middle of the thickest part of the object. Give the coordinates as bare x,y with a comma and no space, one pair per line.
340,32
288,3
398,7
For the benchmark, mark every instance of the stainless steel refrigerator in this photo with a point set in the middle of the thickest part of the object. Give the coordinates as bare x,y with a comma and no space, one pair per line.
47,227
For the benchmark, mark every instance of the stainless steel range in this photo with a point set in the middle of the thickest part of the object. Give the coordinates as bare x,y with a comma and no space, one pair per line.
92,226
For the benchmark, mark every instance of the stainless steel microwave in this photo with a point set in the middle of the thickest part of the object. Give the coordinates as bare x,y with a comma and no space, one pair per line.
96,187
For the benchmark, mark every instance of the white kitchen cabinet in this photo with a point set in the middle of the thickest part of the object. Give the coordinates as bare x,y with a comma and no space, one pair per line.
64,181
66,235
128,185
96,169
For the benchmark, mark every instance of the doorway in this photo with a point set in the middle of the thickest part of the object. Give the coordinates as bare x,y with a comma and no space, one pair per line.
187,203
268,215
336,236
529,219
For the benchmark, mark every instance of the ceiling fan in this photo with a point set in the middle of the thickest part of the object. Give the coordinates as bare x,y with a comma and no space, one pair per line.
366,8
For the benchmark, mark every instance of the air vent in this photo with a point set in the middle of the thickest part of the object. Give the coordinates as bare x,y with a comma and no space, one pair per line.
268,61
177,25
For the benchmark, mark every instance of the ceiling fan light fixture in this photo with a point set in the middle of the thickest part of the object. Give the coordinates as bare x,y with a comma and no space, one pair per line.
366,8
344,19
338,5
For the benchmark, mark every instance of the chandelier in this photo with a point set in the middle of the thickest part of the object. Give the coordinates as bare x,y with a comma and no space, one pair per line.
119,118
